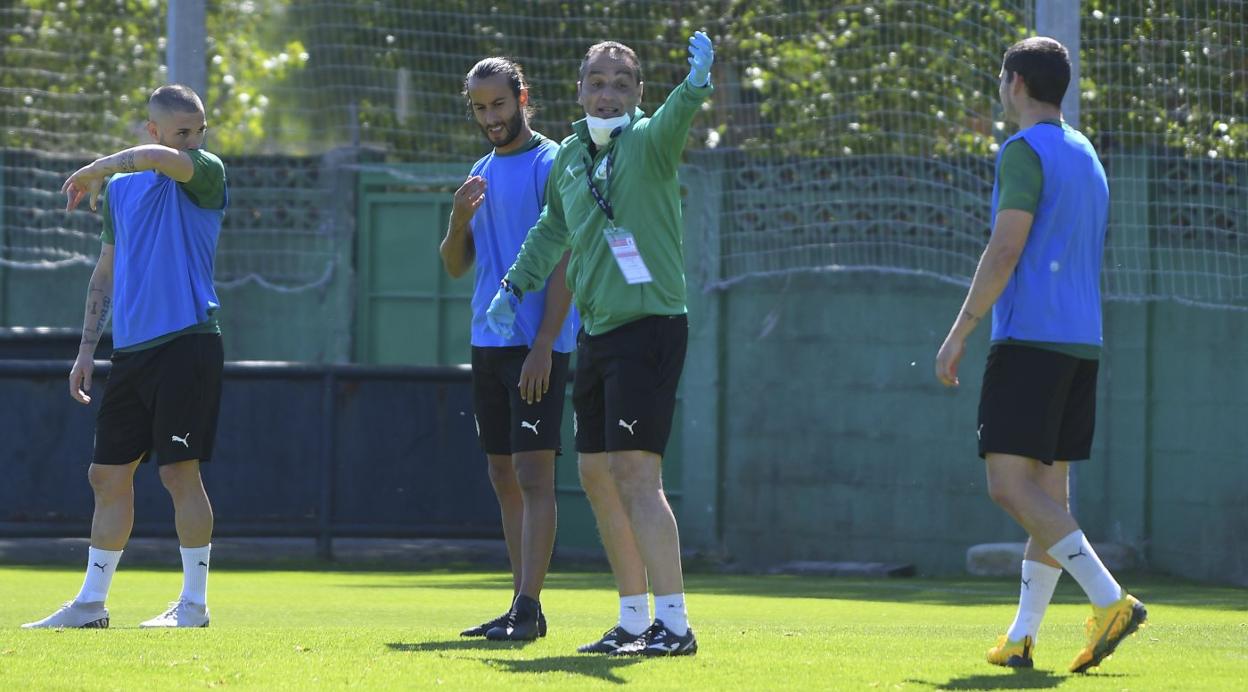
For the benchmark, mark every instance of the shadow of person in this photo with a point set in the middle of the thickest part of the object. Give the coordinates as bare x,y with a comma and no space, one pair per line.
599,667
1017,679
465,644
595,666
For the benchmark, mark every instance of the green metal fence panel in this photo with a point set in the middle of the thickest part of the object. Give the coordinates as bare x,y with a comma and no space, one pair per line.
409,310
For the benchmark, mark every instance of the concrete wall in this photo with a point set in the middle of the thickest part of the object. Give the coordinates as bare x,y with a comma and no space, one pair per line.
309,326
1197,443
838,443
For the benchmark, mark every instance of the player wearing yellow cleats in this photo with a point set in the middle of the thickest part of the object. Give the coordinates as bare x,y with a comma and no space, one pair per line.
1107,628
1012,654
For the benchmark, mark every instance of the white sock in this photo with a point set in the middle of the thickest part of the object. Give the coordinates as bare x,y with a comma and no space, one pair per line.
671,610
635,613
101,564
195,574
1075,553
1034,594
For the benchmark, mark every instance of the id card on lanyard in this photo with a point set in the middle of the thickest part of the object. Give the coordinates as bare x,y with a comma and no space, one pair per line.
622,243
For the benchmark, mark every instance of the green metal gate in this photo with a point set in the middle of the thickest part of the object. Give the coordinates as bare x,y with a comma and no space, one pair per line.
409,310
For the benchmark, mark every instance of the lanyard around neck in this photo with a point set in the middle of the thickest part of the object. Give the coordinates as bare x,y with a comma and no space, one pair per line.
600,198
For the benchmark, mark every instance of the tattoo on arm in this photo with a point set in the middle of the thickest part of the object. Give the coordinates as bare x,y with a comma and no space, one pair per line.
97,307
126,162
969,316
104,310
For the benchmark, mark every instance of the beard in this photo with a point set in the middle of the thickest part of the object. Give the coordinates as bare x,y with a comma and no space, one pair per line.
511,130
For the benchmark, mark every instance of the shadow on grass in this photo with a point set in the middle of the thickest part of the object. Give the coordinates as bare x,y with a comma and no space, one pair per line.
1019,679
593,666
598,667
465,644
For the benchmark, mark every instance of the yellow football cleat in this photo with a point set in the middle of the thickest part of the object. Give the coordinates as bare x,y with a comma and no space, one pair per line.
1012,654
1107,628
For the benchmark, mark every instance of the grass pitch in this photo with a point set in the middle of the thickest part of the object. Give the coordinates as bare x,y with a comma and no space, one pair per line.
303,629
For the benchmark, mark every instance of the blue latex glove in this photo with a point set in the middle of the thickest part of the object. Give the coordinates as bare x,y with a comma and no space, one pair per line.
700,58
500,317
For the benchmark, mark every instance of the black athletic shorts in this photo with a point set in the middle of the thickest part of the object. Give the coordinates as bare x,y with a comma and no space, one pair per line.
506,423
624,394
163,399
1038,404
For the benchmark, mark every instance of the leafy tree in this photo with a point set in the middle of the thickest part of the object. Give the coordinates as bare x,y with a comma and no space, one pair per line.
805,78
1167,72
77,73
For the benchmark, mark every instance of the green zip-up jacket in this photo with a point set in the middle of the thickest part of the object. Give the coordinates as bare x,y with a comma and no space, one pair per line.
645,196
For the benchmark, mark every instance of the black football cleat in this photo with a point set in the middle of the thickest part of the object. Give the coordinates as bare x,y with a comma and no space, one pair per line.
524,622
610,642
658,640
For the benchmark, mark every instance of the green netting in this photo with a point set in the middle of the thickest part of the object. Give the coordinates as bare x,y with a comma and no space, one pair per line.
842,136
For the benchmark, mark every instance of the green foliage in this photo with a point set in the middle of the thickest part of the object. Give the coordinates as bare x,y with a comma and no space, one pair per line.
1167,73
880,78
249,57
77,74
793,77
73,72
362,52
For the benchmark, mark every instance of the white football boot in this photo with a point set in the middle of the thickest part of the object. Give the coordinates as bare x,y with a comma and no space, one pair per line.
74,614
181,613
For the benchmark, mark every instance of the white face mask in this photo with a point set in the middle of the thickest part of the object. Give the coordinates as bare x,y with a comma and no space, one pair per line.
602,129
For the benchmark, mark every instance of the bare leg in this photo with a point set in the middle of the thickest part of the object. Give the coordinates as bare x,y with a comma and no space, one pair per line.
1053,480
535,474
613,524
638,477
511,504
191,510
1013,484
114,504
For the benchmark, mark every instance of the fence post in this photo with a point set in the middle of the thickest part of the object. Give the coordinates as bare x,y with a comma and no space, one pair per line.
329,424
1059,19
4,277
185,31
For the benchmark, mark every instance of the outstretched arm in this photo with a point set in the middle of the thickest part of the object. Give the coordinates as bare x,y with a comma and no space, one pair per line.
668,128
89,179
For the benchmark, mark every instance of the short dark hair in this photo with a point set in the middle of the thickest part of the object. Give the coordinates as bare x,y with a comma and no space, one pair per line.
175,98
489,67
615,50
1044,65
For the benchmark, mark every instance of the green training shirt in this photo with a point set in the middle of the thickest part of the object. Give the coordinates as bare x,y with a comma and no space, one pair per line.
644,192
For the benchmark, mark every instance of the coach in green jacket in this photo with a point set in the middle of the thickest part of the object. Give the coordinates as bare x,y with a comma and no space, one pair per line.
613,199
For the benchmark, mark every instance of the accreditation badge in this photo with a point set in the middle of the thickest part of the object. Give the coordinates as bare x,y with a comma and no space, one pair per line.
624,247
